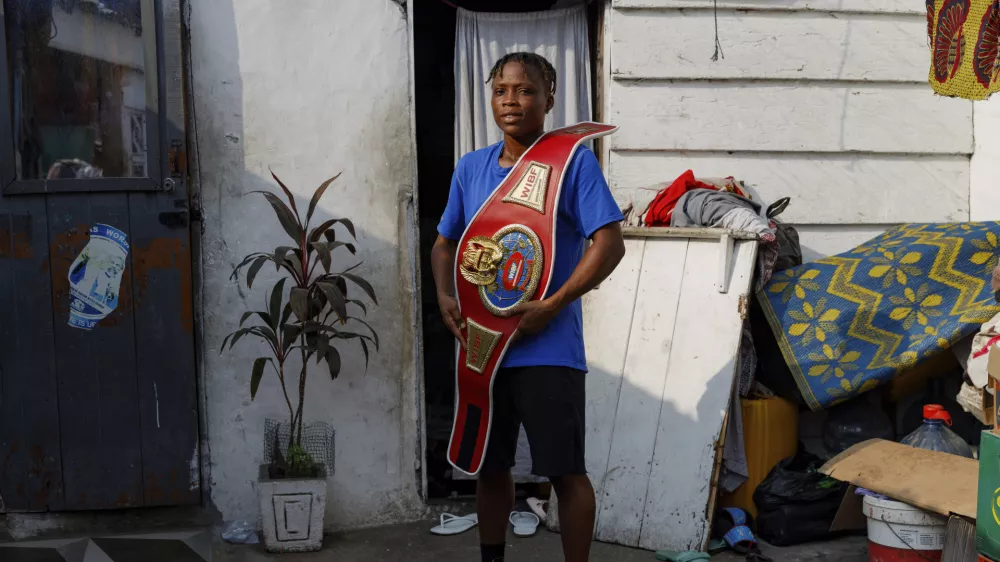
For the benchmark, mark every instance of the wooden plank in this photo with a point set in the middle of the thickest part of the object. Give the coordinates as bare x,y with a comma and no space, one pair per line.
649,349
686,233
99,418
836,6
30,459
606,326
825,188
810,117
773,45
165,360
695,399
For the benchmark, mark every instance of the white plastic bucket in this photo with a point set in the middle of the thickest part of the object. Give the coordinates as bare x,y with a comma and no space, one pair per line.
896,529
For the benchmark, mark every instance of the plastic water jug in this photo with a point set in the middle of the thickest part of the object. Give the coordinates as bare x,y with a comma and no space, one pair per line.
934,434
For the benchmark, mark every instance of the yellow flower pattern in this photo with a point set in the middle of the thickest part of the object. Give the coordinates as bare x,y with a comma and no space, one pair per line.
895,267
833,362
988,254
793,282
813,322
915,306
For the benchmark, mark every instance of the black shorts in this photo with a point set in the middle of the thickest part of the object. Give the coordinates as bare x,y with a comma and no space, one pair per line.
550,402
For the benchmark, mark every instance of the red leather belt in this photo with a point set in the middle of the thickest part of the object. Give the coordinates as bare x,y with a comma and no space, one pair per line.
504,259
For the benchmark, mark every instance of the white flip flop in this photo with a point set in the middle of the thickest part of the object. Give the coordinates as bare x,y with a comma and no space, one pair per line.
454,524
538,507
524,523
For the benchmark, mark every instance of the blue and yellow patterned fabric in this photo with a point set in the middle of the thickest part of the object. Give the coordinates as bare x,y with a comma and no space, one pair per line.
848,323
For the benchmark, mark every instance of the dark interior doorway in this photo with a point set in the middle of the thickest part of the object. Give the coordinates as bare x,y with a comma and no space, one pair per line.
434,24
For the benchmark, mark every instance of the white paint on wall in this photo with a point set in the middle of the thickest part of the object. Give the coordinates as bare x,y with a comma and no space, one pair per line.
309,91
820,241
984,196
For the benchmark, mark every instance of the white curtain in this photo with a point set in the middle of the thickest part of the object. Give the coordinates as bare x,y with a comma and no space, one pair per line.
482,38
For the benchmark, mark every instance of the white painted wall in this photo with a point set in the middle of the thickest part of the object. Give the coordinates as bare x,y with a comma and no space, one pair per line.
985,193
309,91
825,101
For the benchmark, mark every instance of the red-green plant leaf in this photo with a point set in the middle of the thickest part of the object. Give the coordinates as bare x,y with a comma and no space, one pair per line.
333,361
350,227
299,298
317,195
288,193
252,272
317,232
365,285
246,315
285,216
279,255
274,305
364,347
326,228
236,337
335,297
265,333
290,333
256,375
325,254
286,314
370,329
360,305
236,270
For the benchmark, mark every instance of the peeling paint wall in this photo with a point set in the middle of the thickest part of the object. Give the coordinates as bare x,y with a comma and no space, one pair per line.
309,90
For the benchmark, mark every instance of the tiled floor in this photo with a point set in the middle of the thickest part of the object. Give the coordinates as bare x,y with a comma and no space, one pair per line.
181,546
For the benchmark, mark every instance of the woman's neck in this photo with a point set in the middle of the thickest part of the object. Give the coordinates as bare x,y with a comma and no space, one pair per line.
514,148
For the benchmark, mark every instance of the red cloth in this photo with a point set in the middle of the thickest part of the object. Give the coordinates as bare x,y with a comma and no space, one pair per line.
663,205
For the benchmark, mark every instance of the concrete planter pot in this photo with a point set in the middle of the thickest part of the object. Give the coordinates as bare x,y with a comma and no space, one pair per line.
292,512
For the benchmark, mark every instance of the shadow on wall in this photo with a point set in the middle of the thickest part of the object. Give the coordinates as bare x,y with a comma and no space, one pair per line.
374,480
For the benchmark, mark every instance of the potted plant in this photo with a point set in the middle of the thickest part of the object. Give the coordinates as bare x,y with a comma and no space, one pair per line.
310,324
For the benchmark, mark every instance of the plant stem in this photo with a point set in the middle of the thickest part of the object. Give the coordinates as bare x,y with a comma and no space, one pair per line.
302,390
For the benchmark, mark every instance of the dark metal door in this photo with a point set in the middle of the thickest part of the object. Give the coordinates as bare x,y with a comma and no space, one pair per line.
91,134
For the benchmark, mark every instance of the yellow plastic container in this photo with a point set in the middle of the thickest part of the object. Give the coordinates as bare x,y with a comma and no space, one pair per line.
770,434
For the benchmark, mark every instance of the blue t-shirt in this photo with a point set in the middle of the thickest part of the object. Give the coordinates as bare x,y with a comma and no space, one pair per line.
585,206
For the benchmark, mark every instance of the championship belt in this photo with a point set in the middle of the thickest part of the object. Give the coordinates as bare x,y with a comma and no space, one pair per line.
505,259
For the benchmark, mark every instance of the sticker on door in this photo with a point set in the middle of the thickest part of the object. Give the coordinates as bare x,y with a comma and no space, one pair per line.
96,276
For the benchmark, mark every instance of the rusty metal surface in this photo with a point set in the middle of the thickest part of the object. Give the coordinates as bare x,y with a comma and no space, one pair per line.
105,418
30,457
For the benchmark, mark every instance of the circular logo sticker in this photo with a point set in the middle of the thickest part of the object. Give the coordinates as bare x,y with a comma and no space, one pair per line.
518,271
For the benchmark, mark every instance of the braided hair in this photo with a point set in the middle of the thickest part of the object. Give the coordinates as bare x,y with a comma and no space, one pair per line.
527,59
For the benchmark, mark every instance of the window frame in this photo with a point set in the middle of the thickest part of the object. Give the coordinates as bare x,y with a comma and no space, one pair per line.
158,54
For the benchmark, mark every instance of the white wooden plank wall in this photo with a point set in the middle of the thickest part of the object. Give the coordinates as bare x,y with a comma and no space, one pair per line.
825,101
658,390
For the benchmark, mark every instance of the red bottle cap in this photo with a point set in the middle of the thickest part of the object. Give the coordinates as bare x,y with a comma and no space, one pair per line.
937,412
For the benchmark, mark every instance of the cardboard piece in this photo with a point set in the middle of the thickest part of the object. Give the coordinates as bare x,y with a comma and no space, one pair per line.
936,482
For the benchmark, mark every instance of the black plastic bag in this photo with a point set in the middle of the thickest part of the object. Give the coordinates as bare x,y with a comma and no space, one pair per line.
789,249
796,503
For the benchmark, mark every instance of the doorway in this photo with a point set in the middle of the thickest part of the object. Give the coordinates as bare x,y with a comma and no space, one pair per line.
434,23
